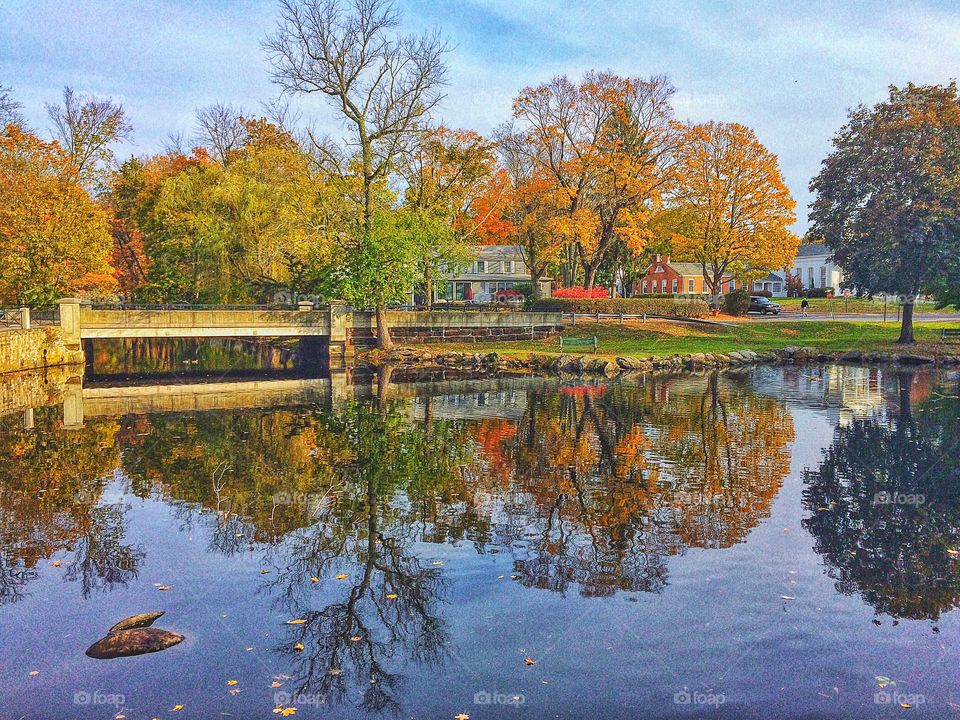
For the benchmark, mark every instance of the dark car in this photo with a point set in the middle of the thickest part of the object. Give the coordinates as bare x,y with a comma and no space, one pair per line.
764,305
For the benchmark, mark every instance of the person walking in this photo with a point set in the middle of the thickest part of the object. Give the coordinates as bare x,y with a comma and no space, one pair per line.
804,306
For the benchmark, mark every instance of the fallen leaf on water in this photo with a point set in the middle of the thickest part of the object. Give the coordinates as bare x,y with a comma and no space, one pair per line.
34,673
314,579
392,596
176,708
57,563
164,587
953,551
298,646
500,577
356,638
437,562
281,676
335,671
788,597
286,712
906,706
342,576
298,621
461,716
264,572
232,682
276,684
234,691
529,661
249,649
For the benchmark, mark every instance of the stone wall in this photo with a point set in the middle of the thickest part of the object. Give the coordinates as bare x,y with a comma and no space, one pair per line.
21,391
36,348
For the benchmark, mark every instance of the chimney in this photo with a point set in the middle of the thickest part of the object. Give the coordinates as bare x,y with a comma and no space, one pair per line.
666,259
656,258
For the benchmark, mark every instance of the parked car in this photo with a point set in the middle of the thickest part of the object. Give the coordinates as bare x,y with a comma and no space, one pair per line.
763,305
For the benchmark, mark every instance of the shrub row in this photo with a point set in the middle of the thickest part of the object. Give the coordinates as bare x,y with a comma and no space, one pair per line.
677,307
580,292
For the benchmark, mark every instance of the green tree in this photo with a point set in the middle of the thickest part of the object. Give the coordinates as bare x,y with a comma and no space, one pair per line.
888,196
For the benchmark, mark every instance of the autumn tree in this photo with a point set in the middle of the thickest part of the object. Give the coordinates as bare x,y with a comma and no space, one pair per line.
737,206
520,204
87,127
444,174
54,240
888,196
383,84
608,144
221,129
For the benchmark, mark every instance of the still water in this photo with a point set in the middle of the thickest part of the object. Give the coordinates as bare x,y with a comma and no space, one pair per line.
771,543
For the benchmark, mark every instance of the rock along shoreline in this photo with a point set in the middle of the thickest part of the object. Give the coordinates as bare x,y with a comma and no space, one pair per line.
494,363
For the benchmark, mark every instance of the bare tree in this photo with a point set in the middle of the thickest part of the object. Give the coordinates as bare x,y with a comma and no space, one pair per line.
383,84
9,109
221,130
176,144
87,127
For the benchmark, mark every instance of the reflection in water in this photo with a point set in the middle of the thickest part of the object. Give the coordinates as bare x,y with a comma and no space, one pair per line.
885,504
590,490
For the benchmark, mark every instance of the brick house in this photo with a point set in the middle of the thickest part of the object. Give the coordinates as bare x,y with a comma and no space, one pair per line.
676,278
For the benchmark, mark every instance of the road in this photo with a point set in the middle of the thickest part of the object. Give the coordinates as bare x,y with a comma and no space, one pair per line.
860,317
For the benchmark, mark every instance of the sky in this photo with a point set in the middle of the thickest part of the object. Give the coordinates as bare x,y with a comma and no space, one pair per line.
789,70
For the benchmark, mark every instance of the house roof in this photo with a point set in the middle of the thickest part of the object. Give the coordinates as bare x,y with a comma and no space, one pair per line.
496,252
687,268
813,250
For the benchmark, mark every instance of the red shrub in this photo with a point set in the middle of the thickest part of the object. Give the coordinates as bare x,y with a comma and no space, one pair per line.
581,292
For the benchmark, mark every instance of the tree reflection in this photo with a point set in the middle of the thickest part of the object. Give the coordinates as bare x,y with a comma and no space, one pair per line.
885,506
51,486
395,479
609,481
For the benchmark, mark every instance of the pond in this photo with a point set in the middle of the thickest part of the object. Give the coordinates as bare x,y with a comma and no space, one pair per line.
763,543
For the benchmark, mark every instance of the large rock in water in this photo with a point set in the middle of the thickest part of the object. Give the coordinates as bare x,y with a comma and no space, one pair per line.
136,621
137,641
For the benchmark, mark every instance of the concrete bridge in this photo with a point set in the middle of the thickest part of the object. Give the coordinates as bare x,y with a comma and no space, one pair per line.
339,327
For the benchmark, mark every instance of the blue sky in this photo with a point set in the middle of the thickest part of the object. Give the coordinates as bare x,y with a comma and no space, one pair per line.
788,70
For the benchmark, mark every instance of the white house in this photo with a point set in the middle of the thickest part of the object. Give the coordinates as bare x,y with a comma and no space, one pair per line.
815,267
494,267
775,283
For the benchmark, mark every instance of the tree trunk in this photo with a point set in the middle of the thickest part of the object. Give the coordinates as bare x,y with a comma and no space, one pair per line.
589,275
906,327
384,341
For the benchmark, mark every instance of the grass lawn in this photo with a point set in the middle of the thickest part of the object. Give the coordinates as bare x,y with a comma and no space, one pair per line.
658,338
853,305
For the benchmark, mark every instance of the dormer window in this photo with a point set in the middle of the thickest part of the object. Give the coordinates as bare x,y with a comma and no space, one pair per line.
481,266
508,266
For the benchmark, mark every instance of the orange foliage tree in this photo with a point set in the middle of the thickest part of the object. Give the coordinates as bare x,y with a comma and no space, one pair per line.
736,205
54,239
607,146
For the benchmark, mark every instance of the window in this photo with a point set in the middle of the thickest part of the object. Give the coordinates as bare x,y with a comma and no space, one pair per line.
777,287
663,286
481,266
673,287
823,276
508,266
691,285
810,277
643,287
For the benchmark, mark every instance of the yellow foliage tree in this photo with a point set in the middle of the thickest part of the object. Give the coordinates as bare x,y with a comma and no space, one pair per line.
54,239
736,205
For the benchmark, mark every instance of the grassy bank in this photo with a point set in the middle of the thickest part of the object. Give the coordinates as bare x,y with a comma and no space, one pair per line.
663,338
852,305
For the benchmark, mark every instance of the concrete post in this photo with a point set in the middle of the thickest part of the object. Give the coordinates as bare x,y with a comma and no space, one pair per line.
73,405
339,318
24,318
304,306
70,322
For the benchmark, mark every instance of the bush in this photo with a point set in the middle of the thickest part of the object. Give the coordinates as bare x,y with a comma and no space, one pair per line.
524,288
818,292
736,302
668,305
762,293
581,292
